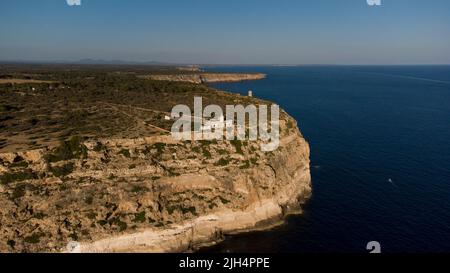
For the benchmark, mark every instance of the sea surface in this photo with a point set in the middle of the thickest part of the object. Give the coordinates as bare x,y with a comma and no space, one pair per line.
380,151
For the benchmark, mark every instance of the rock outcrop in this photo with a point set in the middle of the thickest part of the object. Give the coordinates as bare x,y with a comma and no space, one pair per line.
199,78
149,194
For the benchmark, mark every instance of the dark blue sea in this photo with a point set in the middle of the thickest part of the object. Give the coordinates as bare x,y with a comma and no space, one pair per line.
380,142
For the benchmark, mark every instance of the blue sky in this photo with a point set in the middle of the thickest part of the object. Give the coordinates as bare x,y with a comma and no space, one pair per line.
228,31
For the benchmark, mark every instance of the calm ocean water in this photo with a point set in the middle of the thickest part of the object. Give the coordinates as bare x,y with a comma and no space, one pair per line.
380,139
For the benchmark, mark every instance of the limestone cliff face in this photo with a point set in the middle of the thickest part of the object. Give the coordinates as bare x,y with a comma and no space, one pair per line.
147,195
208,77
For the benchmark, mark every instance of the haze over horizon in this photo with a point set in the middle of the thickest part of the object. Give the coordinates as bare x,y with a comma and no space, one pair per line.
227,32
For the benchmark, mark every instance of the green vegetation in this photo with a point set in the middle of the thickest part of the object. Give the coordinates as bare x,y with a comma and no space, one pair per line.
92,101
89,200
190,210
160,147
8,178
61,171
73,236
35,238
22,164
238,146
125,153
91,215
139,217
183,210
222,162
137,189
246,165
254,160
71,149
39,215
99,147
206,153
11,243
19,162
223,200
122,225
102,222
19,191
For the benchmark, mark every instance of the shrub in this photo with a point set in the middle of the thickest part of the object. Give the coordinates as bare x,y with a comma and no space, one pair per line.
19,191
246,165
160,147
206,153
222,162
122,225
20,164
11,243
74,236
63,170
223,200
254,160
237,145
136,189
191,210
35,238
89,200
139,217
125,153
17,177
99,147
67,150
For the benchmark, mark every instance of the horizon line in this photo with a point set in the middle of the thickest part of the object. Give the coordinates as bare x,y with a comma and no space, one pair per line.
162,63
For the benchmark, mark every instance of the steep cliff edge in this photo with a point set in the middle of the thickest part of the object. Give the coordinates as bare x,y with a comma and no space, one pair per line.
199,78
147,194
87,156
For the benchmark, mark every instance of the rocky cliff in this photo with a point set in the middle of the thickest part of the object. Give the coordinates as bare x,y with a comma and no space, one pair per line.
147,194
208,77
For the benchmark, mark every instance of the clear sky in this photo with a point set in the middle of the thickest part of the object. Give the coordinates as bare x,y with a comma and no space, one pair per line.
228,31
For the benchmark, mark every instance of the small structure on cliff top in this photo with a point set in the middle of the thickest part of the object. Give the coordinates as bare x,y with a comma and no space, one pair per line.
250,93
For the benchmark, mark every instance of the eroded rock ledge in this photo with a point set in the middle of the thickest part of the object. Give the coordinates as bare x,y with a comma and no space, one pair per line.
147,195
208,77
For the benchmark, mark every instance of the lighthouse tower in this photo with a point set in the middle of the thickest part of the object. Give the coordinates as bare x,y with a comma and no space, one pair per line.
250,93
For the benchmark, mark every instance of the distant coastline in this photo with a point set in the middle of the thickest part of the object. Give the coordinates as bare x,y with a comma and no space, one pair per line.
208,77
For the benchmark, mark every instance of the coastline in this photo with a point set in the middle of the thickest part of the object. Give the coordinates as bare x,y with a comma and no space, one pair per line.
208,77
257,214
205,231
150,194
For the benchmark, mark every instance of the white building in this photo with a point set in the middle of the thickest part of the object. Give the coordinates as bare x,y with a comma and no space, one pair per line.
217,123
